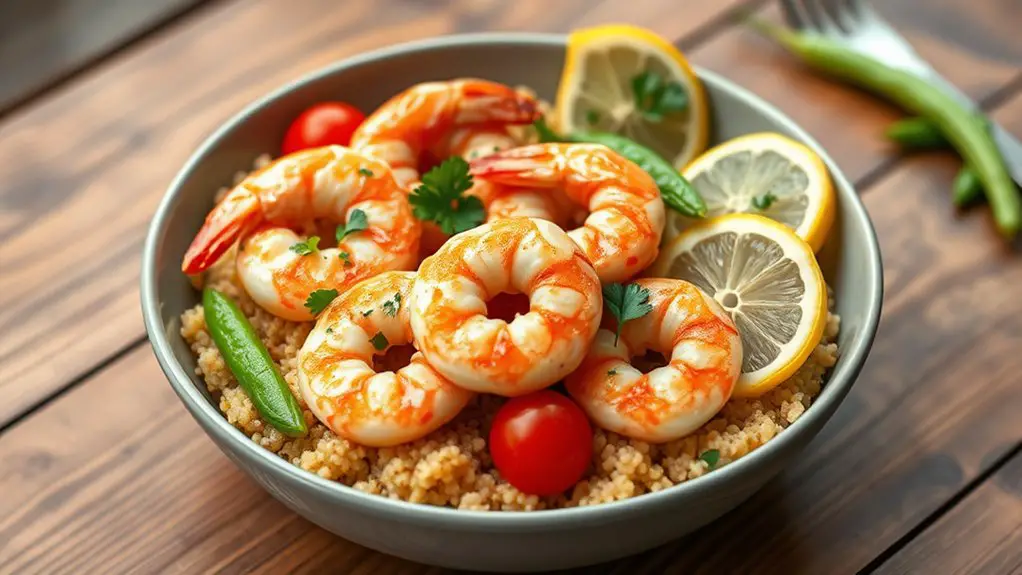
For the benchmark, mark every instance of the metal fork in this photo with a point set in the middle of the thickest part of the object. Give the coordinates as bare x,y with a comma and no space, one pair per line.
856,25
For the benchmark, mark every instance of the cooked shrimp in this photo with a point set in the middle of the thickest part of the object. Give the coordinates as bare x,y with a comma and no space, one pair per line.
534,350
671,401
622,233
422,116
340,386
295,191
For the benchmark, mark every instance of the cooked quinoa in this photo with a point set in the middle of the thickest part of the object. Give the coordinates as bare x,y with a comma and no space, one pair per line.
452,466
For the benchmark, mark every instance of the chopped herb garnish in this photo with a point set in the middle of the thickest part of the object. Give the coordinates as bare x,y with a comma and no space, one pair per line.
763,202
356,223
496,149
329,330
612,372
379,341
656,98
319,299
307,247
367,312
546,133
711,457
439,198
592,117
391,306
366,172
346,257
626,302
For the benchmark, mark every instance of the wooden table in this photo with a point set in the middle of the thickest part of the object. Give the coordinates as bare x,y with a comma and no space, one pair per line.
102,470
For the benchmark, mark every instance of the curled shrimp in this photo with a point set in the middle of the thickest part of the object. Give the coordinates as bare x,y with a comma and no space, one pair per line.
422,117
536,349
337,379
669,402
294,192
621,234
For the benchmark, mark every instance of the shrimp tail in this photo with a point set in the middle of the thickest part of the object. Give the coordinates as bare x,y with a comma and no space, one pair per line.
486,102
237,214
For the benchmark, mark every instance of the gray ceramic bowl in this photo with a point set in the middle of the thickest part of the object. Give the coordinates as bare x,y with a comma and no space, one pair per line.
500,541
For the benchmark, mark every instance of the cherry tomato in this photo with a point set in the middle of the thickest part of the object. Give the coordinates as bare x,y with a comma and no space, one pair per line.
322,125
541,442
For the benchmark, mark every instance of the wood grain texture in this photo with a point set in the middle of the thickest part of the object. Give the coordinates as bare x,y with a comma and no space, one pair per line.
138,119
849,124
143,489
980,536
42,41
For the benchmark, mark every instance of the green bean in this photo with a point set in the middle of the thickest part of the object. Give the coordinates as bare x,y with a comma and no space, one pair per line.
964,130
966,188
916,134
677,192
251,364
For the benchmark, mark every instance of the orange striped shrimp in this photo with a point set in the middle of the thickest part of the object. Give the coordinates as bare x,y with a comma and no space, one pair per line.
621,234
337,379
705,360
421,117
331,183
519,255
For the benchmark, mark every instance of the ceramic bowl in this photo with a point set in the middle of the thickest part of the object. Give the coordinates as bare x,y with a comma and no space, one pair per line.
495,541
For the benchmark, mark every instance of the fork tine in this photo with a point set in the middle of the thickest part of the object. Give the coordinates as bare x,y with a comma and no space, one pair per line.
795,15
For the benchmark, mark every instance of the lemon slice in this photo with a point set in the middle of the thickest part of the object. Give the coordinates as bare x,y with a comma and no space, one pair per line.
629,81
767,174
767,278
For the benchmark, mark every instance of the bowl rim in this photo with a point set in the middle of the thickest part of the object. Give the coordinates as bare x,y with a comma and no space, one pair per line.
213,423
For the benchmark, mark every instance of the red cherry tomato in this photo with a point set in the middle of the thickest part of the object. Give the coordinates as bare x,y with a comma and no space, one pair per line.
541,442
322,125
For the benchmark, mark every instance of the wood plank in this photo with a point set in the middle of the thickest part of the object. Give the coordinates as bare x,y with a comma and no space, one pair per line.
978,58
981,535
137,120
935,405
43,41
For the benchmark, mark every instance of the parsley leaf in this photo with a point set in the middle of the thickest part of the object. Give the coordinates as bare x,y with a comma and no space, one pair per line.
307,247
356,223
319,299
379,341
546,133
656,98
366,172
626,302
391,306
592,117
439,198
346,257
711,457
763,202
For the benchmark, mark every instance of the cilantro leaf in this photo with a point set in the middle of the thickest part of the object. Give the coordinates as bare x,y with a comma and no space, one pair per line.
379,341
546,133
391,306
763,202
711,457
319,299
366,172
626,302
307,247
656,98
439,198
357,222
346,257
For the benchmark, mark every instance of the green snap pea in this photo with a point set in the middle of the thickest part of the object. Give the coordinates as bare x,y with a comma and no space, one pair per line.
964,130
916,134
966,188
677,192
251,364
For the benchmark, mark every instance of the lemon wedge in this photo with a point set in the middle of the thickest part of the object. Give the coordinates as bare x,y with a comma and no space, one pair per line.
767,174
629,81
767,278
